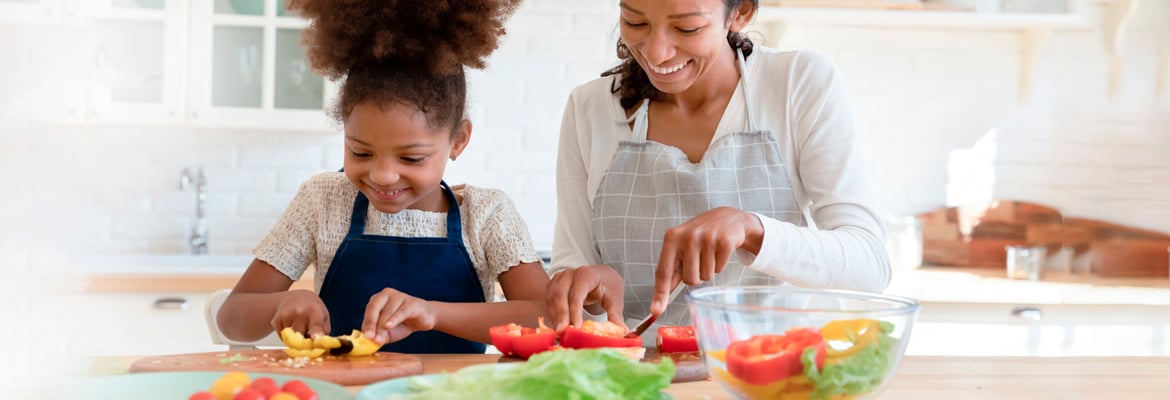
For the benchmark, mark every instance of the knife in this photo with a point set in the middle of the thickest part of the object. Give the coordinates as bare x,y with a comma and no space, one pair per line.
645,324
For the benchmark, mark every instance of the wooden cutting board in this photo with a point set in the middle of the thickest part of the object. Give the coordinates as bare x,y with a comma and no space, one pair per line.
340,370
688,367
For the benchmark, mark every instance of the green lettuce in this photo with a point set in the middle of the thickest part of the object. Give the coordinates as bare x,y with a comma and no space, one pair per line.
859,373
562,374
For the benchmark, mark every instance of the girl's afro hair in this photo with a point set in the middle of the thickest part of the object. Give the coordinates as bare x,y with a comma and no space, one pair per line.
440,35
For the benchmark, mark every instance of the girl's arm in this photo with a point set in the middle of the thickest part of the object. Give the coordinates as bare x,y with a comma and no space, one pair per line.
524,287
261,303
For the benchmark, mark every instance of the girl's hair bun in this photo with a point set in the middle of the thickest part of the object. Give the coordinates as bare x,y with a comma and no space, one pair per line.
440,35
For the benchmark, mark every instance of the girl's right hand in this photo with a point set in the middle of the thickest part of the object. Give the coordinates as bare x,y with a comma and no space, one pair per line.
572,289
304,311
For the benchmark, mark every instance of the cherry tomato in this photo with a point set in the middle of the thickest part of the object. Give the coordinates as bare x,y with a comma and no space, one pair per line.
266,386
204,395
300,389
249,394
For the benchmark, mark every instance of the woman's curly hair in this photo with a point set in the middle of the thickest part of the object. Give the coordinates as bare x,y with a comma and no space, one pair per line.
633,85
402,51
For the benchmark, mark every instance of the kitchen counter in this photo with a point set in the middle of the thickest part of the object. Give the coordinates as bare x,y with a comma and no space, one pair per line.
956,378
926,284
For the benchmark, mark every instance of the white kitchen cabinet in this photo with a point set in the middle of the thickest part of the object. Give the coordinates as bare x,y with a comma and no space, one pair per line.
991,329
142,323
139,60
214,63
249,70
32,11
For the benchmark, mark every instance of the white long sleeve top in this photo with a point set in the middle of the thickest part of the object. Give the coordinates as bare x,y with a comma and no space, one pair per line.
800,97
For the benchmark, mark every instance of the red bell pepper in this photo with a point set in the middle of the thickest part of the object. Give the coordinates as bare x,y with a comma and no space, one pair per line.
763,359
677,339
520,341
597,334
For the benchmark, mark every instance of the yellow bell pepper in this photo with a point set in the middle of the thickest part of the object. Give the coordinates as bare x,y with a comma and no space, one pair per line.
295,340
846,337
309,353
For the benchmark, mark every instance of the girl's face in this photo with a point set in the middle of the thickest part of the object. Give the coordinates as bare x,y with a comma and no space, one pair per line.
677,41
396,158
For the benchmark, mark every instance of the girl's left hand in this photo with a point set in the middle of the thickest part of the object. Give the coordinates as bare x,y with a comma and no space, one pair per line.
696,250
392,316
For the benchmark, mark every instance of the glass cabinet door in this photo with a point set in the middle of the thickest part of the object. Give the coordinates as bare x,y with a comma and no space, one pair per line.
249,69
31,11
138,60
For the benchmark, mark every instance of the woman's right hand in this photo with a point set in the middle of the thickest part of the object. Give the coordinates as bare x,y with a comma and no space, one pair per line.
572,289
304,311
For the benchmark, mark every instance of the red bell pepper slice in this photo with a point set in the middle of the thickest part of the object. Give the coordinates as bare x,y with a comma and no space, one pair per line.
597,334
763,359
520,341
677,339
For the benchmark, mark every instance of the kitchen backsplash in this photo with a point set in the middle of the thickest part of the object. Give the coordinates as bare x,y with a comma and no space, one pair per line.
939,110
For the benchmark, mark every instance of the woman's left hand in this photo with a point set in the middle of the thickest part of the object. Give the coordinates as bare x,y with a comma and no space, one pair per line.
696,250
392,316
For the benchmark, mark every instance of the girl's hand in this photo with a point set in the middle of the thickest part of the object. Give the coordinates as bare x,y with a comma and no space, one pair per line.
574,288
696,250
392,316
303,311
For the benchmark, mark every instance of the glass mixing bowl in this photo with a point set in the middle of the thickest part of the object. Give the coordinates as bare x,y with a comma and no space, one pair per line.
773,342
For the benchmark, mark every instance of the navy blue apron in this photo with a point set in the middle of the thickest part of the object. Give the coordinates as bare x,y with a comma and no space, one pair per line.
429,268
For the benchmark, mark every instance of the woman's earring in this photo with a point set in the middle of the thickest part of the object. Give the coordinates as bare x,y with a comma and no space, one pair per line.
452,157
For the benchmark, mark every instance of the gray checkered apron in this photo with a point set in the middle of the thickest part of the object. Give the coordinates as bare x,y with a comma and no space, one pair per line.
650,187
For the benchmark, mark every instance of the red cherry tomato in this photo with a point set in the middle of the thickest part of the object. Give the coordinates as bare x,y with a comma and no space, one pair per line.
204,395
266,386
299,389
249,394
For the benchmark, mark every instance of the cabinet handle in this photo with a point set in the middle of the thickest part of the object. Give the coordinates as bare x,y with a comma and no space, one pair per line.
1028,313
170,303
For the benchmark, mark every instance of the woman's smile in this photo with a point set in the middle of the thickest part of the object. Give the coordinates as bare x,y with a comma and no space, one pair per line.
668,72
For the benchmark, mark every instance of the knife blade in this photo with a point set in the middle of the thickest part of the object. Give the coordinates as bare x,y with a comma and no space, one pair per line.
645,324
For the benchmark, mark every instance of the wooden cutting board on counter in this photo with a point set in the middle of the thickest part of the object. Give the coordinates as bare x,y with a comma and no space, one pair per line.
976,236
340,370
688,367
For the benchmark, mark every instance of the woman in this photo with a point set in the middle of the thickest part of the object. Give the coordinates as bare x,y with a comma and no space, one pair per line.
700,146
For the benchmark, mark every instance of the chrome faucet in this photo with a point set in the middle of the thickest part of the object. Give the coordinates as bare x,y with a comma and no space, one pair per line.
198,239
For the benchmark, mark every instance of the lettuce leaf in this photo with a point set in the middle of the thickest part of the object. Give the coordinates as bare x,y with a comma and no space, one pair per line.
561,374
859,373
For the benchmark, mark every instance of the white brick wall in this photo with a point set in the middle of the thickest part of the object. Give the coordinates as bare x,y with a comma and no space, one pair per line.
920,96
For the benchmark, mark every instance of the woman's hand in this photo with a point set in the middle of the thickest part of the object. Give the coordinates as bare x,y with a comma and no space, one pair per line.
392,316
574,288
696,250
303,311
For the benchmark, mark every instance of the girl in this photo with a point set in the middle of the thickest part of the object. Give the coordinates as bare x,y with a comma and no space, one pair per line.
399,254
697,159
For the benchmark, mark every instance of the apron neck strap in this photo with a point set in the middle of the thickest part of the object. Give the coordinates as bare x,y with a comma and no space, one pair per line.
357,220
743,82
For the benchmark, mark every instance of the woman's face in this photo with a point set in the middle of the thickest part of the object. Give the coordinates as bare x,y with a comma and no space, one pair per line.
677,41
396,158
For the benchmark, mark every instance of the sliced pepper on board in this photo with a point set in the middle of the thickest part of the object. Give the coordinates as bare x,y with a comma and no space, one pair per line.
523,342
763,359
295,340
596,335
300,353
677,339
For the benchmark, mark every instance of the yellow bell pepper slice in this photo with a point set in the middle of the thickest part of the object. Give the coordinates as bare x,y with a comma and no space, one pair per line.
362,345
295,340
846,337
